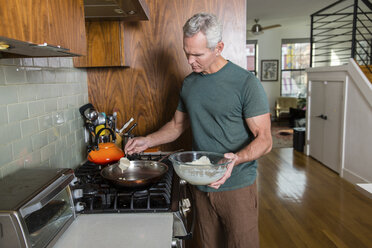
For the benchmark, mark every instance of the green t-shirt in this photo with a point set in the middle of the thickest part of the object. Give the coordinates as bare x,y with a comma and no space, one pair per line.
217,105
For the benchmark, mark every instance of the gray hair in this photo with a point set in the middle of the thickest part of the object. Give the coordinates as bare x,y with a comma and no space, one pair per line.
206,23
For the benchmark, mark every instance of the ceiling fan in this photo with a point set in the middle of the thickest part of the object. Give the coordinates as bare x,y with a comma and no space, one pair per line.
258,29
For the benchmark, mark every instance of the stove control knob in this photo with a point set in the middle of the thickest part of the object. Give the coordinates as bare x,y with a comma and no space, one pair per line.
185,206
79,207
74,181
77,193
186,202
182,182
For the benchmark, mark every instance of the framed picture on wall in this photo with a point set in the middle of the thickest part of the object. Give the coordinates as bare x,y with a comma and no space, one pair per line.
269,70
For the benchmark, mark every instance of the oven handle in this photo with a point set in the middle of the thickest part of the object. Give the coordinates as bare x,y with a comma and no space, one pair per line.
189,234
47,195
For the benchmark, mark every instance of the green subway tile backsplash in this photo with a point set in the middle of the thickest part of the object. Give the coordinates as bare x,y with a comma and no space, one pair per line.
40,123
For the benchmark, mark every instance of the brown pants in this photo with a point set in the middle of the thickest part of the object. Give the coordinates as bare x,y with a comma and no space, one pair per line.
228,218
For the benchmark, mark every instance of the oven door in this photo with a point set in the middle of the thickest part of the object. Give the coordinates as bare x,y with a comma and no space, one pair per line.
185,217
46,216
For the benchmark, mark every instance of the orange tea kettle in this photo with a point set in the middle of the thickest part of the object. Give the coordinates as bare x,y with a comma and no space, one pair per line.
105,153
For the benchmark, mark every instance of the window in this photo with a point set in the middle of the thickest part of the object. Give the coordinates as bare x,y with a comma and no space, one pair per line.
251,53
295,58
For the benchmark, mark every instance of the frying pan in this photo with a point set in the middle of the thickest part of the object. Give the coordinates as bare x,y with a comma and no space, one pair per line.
138,174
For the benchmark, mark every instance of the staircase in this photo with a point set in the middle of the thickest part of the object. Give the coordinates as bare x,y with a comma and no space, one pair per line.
367,71
341,31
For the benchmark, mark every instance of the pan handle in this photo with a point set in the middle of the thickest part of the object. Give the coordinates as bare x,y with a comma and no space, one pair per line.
164,157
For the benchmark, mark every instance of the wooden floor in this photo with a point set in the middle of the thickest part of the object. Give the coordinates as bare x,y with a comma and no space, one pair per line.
304,204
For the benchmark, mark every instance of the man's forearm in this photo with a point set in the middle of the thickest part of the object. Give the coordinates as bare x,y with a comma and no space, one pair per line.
257,148
168,133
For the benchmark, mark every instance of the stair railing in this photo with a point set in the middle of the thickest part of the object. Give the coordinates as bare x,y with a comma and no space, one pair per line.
341,31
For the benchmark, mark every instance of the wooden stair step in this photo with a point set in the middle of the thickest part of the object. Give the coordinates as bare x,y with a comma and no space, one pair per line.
366,71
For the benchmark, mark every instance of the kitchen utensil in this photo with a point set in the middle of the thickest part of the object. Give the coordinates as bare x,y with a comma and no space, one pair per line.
138,174
131,128
85,107
98,128
198,167
91,114
105,153
86,135
126,137
119,140
101,118
101,124
110,121
126,125
115,118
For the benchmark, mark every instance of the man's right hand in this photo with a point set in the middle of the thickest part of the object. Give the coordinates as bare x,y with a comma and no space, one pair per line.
136,145
168,133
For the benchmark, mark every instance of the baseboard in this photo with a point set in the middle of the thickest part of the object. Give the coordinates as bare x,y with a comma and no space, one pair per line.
365,189
352,177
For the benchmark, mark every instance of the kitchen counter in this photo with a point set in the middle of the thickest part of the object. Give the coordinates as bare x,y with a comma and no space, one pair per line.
130,230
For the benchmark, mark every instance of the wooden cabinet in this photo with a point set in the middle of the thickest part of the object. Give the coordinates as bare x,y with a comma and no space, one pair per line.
105,31
67,25
43,27
105,45
24,20
325,100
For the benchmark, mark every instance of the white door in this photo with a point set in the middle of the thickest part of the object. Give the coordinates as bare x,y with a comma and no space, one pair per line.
325,122
316,123
332,125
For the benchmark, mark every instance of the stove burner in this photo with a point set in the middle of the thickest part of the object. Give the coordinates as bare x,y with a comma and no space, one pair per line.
100,196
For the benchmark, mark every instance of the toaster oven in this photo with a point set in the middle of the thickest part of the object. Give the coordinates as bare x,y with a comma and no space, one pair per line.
36,207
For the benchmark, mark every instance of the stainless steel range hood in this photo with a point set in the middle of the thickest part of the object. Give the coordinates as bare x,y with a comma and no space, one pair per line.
126,10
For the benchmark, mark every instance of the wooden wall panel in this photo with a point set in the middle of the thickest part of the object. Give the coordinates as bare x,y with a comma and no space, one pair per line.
149,89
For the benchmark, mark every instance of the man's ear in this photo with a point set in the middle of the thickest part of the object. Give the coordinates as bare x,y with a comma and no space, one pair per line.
219,48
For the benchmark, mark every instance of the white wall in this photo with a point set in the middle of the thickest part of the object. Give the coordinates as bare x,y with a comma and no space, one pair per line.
358,156
269,47
356,136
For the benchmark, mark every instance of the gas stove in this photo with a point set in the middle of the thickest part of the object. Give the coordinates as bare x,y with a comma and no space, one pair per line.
95,194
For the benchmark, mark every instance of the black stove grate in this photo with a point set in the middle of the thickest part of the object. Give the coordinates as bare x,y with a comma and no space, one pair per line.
99,196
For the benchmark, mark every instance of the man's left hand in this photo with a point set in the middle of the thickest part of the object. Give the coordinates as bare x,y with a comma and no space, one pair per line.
227,174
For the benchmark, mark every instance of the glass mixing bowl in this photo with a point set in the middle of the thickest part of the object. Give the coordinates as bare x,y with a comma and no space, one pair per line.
199,167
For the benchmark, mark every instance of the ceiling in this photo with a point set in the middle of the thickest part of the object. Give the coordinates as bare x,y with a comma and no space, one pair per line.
279,9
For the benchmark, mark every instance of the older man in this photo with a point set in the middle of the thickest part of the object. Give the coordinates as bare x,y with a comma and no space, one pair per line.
227,109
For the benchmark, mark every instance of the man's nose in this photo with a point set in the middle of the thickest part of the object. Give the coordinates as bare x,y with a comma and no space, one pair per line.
191,60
